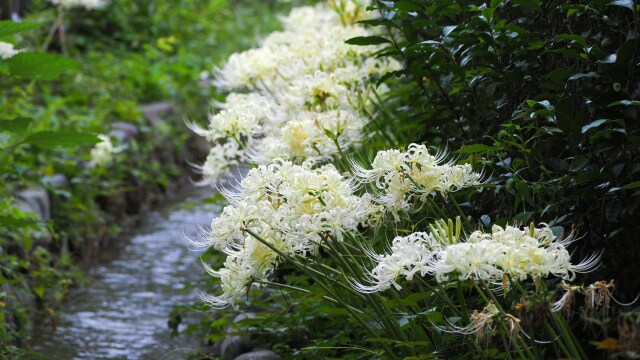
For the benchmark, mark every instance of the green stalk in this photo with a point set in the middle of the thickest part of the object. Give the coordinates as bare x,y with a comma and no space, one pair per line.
285,286
387,323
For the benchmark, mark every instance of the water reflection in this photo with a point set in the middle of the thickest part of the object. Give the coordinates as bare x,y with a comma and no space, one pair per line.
122,313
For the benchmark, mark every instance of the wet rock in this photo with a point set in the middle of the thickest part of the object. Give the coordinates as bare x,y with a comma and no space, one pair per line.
124,131
35,200
244,316
235,345
211,350
259,355
156,112
55,181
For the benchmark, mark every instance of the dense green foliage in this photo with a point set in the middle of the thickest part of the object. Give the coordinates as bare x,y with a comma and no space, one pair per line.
544,96
51,106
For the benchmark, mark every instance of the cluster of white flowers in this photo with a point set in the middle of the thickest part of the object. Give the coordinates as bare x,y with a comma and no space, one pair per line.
292,208
404,174
87,4
7,50
300,93
103,152
518,254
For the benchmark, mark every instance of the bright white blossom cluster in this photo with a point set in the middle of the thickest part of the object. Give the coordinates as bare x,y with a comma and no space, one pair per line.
87,4
298,96
402,175
517,254
103,152
7,50
290,207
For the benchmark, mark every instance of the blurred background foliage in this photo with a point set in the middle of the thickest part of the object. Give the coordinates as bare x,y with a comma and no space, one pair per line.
120,58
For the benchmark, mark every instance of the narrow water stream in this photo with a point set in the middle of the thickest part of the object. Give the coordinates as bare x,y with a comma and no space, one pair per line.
123,310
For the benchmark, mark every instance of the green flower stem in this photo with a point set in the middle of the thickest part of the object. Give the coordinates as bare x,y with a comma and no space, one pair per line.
523,344
302,267
358,273
567,334
295,288
442,294
563,347
345,162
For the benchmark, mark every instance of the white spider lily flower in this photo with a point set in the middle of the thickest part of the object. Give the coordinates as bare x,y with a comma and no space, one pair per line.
468,260
487,257
7,50
87,4
221,160
291,208
103,152
409,255
399,175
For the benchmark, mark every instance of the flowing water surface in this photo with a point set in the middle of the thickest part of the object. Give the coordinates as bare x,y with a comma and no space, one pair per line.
123,310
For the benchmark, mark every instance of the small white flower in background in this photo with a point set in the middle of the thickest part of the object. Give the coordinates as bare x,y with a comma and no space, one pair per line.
7,50
87,4
103,152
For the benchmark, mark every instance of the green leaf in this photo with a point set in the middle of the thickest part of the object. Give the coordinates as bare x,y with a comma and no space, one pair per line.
367,40
578,163
609,59
65,139
593,124
15,222
625,103
591,74
623,3
487,14
577,38
448,30
532,4
632,185
17,125
9,27
39,65
39,290
474,148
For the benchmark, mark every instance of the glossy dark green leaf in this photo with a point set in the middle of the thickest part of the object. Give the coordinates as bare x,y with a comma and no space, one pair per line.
367,40
11,27
625,103
474,148
17,125
39,65
593,125
62,139
623,3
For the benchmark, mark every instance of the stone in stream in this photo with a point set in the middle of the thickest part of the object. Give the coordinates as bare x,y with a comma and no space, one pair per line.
236,344
34,200
124,131
55,181
155,112
259,355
